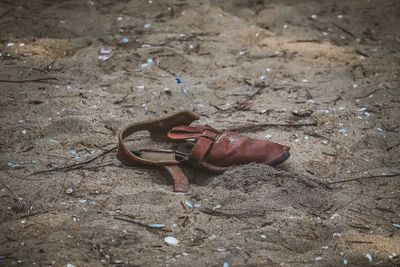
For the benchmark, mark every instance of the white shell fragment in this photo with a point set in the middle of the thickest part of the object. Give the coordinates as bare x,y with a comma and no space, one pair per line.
104,53
188,204
170,240
156,225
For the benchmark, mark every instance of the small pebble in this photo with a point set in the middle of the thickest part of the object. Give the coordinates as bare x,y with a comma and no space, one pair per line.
334,216
212,237
125,40
69,191
149,62
23,131
318,258
313,16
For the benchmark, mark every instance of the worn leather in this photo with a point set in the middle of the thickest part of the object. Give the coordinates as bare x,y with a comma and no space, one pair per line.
212,149
168,159
218,149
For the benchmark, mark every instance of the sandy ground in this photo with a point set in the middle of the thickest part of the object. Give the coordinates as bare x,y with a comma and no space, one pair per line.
64,95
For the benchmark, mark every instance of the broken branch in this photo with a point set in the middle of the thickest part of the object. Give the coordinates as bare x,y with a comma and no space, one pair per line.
366,177
73,166
39,80
250,127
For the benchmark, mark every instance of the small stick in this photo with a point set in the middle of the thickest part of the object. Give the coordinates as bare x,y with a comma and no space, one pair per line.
369,94
366,177
385,209
346,31
130,221
39,80
389,148
12,191
249,127
5,13
360,226
306,41
361,53
34,214
73,166
139,223
358,242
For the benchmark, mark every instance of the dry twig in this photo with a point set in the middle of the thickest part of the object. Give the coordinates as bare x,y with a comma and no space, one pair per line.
74,166
253,127
12,192
365,177
39,80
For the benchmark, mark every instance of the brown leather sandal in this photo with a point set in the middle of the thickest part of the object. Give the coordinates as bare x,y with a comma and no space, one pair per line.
212,149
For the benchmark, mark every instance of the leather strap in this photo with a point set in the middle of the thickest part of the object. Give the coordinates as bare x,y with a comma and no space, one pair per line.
166,158
204,138
181,183
203,145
